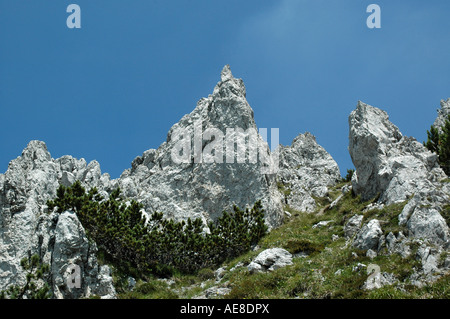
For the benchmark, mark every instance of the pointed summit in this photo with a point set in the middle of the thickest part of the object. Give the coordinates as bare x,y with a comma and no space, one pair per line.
229,85
226,73
198,187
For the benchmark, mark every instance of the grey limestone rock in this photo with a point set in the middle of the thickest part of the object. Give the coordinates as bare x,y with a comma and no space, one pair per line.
270,260
388,164
369,236
396,168
27,228
353,226
307,170
198,188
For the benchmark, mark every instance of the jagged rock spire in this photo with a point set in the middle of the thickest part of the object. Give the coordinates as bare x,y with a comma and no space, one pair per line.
226,74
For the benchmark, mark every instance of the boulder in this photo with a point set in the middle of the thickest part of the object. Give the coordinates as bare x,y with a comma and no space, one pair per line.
353,226
398,244
72,249
378,280
427,223
270,260
369,236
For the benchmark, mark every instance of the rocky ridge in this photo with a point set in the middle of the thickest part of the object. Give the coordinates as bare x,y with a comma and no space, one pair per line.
389,167
191,189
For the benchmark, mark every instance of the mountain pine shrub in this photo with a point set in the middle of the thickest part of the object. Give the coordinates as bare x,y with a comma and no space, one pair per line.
157,245
348,177
439,143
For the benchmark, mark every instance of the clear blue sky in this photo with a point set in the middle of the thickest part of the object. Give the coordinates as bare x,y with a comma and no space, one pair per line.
113,88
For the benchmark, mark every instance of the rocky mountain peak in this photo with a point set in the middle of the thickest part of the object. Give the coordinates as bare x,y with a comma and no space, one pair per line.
375,123
226,74
306,170
229,85
35,154
206,183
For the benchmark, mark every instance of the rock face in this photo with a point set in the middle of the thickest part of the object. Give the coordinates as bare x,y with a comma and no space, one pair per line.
396,169
368,237
378,280
443,114
194,174
306,170
387,163
26,228
72,249
427,222
353,226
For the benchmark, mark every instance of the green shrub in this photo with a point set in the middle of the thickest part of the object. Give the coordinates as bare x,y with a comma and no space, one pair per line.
439,143
157,245
295,246
147,288
348,177
206,274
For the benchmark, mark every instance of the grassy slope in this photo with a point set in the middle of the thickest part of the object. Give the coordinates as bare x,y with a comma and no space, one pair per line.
327,271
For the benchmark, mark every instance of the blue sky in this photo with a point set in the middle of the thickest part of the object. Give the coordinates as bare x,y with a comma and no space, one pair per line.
113,88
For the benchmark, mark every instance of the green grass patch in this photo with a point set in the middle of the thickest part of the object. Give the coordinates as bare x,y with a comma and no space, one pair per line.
153,289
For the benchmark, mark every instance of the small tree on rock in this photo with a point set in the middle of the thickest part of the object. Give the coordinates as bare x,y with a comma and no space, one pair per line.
439,143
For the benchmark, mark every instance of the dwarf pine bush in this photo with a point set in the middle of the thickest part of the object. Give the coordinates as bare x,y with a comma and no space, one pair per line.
155,244
439,143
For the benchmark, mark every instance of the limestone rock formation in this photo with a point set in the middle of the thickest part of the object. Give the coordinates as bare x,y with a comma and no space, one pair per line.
195,174
306,171
369,235
26,227
212,159
395,168
353,226
387,163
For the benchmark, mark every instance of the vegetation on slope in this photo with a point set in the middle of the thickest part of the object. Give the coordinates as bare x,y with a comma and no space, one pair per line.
325,265
141,246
